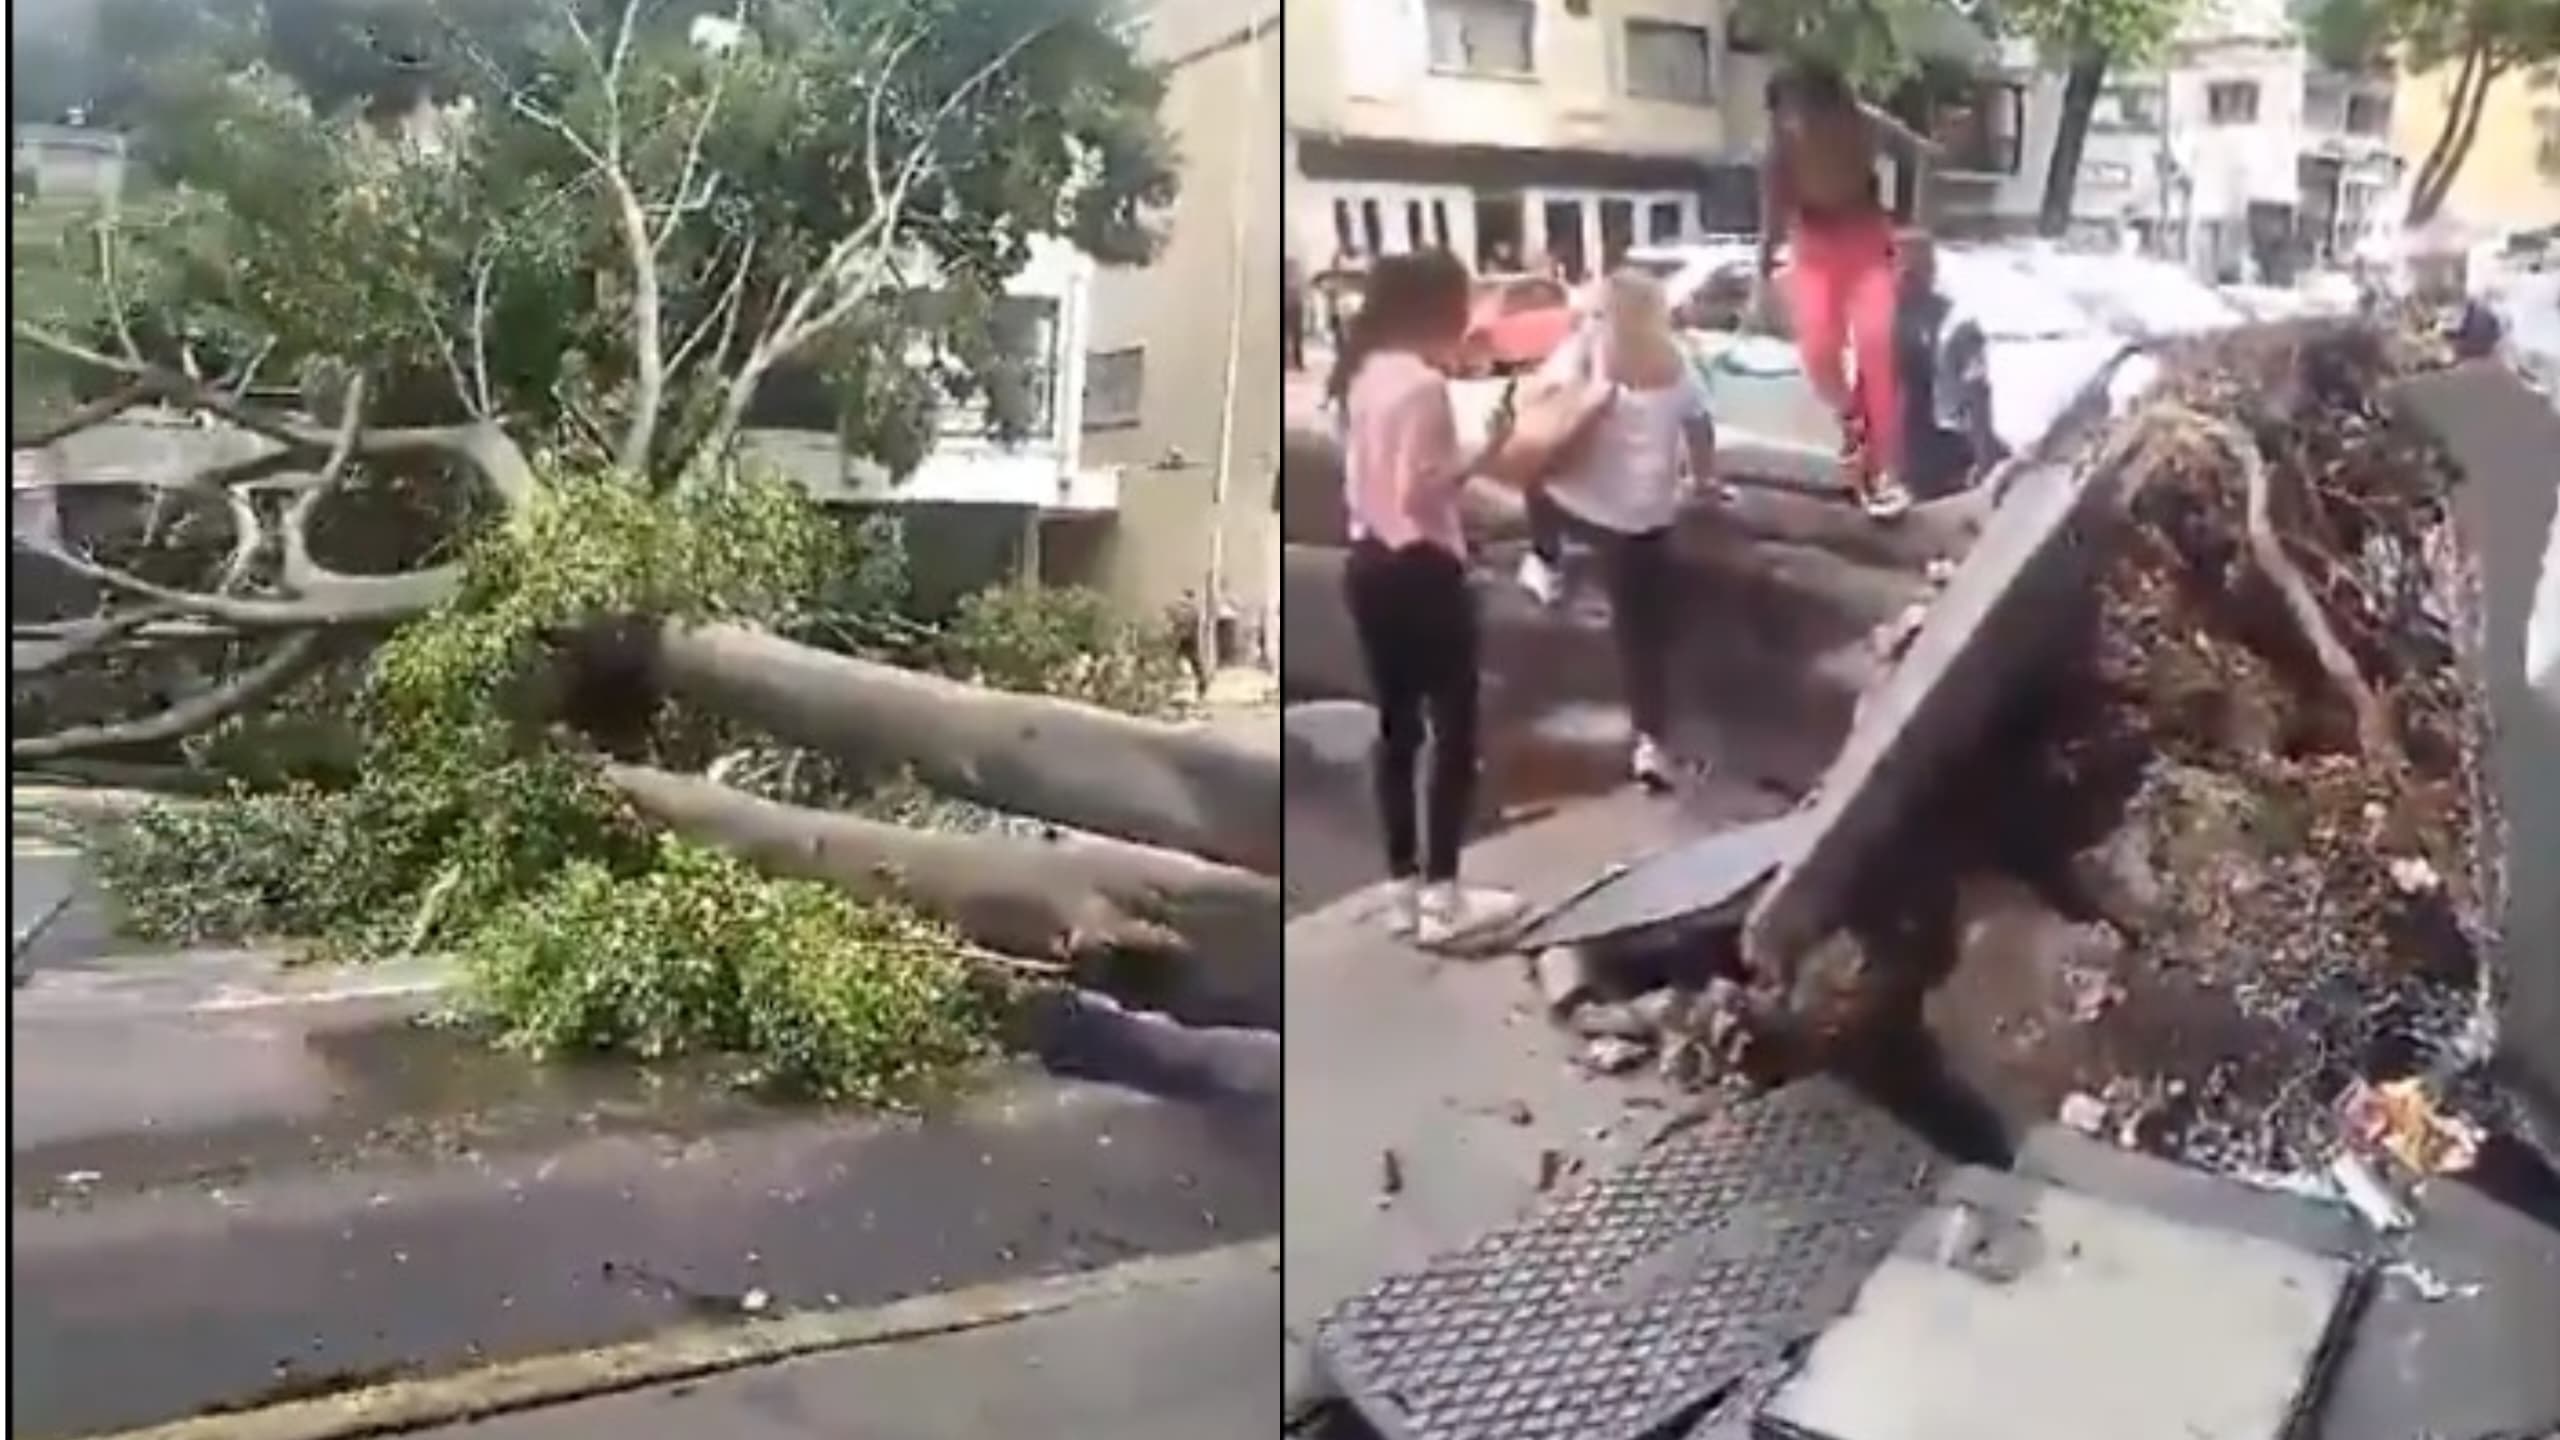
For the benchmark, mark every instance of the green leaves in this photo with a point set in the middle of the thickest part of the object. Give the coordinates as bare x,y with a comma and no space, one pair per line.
2426,34
700,954
1065,642
327,211
1876,43
2126,31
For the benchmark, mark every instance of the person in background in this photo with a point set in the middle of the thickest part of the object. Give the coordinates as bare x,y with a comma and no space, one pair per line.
1943,362
1820,195
1293,315
1623,490
1182,634
1406,580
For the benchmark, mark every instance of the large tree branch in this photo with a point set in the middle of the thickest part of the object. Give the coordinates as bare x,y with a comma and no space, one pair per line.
852,267
1176,787
290,661
1197,938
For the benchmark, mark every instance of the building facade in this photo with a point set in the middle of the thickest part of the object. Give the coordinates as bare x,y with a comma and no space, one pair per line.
1182,358
1515,132
2240,153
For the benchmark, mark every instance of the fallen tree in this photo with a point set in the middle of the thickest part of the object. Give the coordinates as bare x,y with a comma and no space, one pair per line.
1176,787
1155,927
599,564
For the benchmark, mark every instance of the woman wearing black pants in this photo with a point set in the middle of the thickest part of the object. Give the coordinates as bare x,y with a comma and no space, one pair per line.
1622,493
1407,582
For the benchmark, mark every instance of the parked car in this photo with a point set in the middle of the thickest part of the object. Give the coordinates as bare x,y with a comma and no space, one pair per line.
1707,284
1518,321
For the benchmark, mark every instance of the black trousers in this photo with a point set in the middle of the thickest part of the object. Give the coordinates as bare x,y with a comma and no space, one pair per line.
1639,572
1416,618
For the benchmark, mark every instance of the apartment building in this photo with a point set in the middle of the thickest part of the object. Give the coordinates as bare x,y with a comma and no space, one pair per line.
1181,368
1511,131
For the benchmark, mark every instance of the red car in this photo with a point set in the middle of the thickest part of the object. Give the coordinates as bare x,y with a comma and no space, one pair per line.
1518,321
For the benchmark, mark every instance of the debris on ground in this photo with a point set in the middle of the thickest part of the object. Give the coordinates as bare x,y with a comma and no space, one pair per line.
2400,1118
2224,868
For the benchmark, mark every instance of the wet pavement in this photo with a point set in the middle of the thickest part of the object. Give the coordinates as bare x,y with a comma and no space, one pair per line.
234,1184
1189,1361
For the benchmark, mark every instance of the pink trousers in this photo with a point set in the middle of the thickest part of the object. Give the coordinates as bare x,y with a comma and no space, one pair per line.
1841,293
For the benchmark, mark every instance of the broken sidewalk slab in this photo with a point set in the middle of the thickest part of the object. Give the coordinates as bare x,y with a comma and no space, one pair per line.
1993,626
2501,436
1631,1304
2100,1321
1703,881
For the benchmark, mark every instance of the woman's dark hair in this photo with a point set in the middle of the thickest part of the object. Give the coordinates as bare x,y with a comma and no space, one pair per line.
1408,298
1809,84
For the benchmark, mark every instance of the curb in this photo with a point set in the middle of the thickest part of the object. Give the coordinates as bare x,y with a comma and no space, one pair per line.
694,1352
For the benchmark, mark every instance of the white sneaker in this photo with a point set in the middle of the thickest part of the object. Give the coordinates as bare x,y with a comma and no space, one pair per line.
1404,908
1450,913
1888,501
1650,766
1541,580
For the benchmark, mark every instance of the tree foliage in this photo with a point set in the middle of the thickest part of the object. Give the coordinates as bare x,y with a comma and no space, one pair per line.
443,193
2482,41
2089,38
1876,43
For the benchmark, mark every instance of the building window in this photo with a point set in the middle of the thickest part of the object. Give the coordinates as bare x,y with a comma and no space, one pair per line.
1667,61
1483,37
1664,222
2128,110
2232,102
2106,175
1115,387
2324,104
2369,115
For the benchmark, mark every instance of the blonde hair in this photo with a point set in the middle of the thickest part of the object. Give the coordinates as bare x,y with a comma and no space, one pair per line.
1635,317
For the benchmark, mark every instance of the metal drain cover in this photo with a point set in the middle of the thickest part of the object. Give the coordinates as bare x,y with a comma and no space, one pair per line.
1625,1308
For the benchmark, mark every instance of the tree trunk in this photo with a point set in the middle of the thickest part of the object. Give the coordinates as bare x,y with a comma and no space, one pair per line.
2080,90
1175,787
2423,185
2425,203
1196,940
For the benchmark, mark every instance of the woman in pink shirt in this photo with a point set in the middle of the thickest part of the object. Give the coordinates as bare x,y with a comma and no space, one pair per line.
1407,578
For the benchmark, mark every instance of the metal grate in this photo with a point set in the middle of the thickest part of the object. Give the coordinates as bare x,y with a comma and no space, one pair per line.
1627,1307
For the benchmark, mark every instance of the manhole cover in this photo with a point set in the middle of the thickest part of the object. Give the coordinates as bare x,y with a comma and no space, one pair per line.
1626,1307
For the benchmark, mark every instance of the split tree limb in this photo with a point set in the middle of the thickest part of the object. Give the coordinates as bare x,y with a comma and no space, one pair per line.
1177,787
290,661
1123,916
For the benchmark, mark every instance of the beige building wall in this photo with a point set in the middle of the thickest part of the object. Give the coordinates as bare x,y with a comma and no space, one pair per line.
2512,176
1363,67
1199,329
1508,149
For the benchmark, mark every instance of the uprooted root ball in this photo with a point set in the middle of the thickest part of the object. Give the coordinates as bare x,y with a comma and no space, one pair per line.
2311,899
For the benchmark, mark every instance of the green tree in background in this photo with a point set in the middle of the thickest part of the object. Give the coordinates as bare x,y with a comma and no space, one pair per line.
2088,38
2485,41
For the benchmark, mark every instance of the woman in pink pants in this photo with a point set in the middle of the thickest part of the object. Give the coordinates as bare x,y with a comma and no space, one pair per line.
1820,194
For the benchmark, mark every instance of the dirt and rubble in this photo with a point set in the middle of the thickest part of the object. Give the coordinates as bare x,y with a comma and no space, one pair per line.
2233,857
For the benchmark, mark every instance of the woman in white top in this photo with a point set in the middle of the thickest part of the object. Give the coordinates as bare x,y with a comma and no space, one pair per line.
1623,491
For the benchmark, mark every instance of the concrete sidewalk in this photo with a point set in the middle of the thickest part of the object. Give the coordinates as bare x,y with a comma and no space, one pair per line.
1446,1066
1192,1361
